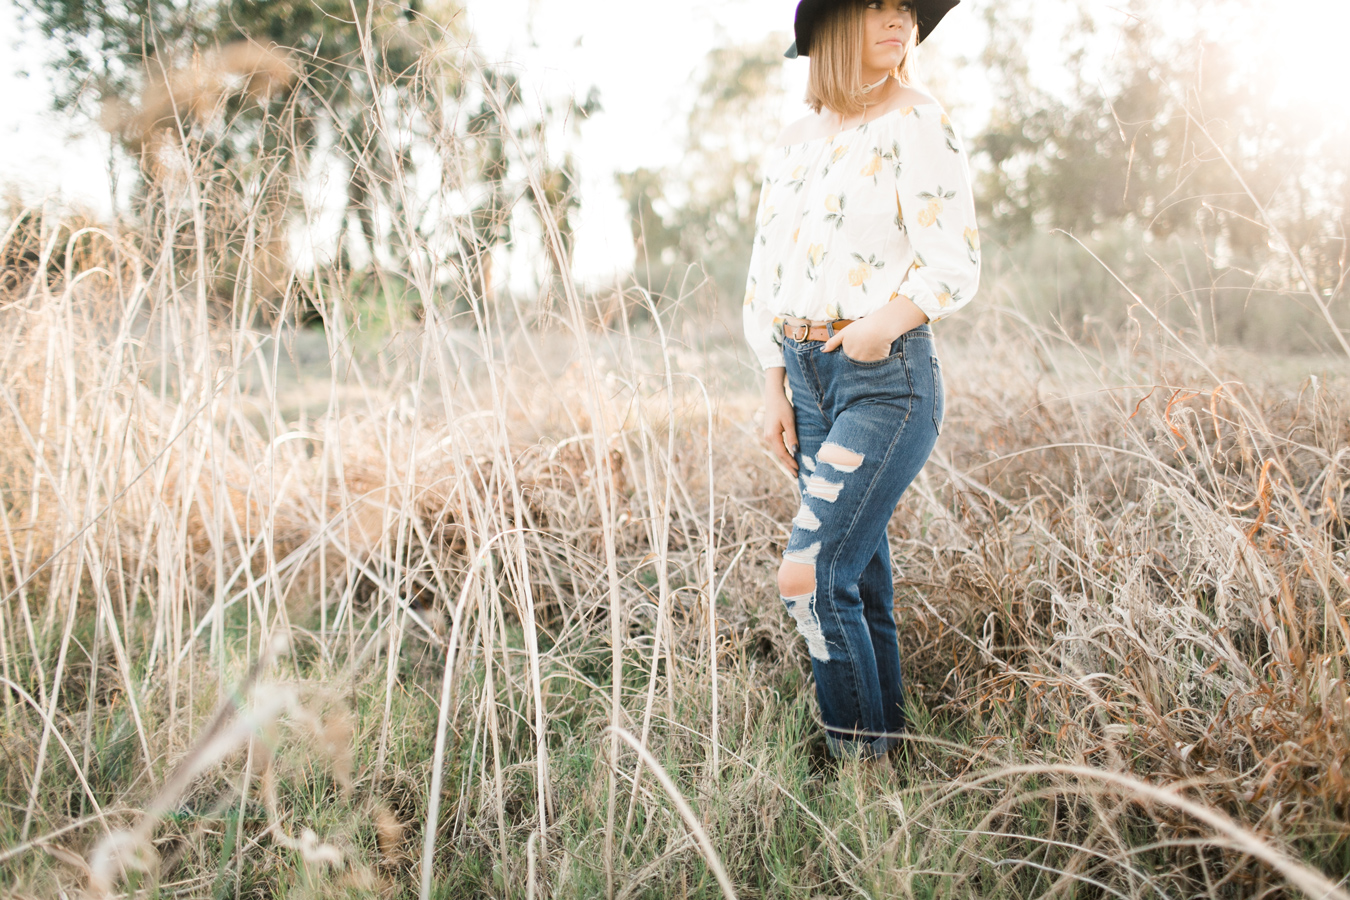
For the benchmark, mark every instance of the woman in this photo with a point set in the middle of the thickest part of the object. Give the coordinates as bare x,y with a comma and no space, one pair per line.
865,234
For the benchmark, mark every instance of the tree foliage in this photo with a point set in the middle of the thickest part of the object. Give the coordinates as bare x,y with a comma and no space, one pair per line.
1182,136
145,63
261,92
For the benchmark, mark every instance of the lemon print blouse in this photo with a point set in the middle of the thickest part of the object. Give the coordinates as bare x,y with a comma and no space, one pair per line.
845,223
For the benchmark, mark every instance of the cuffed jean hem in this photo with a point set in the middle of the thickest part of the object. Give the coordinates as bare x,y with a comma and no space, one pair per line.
861,748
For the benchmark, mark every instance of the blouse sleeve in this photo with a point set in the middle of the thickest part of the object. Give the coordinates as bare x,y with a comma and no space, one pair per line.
935,207
756,315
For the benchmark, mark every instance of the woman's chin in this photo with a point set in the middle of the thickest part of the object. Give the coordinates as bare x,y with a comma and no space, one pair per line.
884,62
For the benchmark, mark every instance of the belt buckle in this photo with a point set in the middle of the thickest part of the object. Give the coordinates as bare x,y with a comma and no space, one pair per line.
800,333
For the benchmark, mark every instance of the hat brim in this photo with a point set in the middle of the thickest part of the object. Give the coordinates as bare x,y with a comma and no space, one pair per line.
809,12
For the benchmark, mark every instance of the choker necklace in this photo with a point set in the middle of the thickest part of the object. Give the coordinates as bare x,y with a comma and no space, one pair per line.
866,89
869,88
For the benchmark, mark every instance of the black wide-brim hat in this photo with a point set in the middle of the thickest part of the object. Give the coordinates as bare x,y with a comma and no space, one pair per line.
809,12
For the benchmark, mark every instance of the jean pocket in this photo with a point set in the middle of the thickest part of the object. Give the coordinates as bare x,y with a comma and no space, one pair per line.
897,352
939,397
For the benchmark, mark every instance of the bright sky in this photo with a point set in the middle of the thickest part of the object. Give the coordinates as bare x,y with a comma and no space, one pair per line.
643,58
39,153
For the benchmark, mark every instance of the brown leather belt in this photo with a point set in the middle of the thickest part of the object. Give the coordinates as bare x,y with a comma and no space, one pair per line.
803,330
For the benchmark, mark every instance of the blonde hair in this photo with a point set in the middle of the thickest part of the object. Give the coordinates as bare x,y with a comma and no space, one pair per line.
835,52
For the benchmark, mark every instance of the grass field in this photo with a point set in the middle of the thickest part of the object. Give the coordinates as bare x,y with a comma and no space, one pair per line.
484,605
457,593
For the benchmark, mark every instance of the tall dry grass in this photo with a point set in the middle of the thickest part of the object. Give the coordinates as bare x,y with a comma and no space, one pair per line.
483,604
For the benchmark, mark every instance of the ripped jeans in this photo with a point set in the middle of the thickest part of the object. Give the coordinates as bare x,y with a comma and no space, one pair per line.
864,431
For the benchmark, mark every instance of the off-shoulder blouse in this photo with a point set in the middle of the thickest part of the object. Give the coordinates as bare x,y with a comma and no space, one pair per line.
845,223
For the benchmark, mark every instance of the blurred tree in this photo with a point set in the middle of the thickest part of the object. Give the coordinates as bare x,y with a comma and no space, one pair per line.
1149,147
509,157
654,240
1092,157
257,88
489,221
701,212
556,202
223,74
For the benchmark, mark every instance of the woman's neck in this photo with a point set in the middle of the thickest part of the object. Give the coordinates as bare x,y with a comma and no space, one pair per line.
877,90
874,81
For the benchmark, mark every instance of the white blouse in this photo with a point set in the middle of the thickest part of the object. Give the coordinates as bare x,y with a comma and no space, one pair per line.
848,222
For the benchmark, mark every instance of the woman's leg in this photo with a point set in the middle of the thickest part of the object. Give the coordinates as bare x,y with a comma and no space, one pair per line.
796,582
882,428
877,590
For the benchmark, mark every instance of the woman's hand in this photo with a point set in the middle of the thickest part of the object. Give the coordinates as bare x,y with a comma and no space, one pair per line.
869,338
780,424
865,340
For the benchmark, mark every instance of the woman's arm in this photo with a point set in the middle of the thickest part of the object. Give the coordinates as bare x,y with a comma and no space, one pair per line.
780,428
780,424
935,209
757,318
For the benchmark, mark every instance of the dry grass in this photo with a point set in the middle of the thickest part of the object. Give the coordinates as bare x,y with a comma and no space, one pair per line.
491,612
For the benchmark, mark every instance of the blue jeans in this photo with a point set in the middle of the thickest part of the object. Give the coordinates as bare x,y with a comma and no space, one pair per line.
874,424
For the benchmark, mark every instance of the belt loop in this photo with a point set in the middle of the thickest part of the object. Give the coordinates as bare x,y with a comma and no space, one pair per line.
829,328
